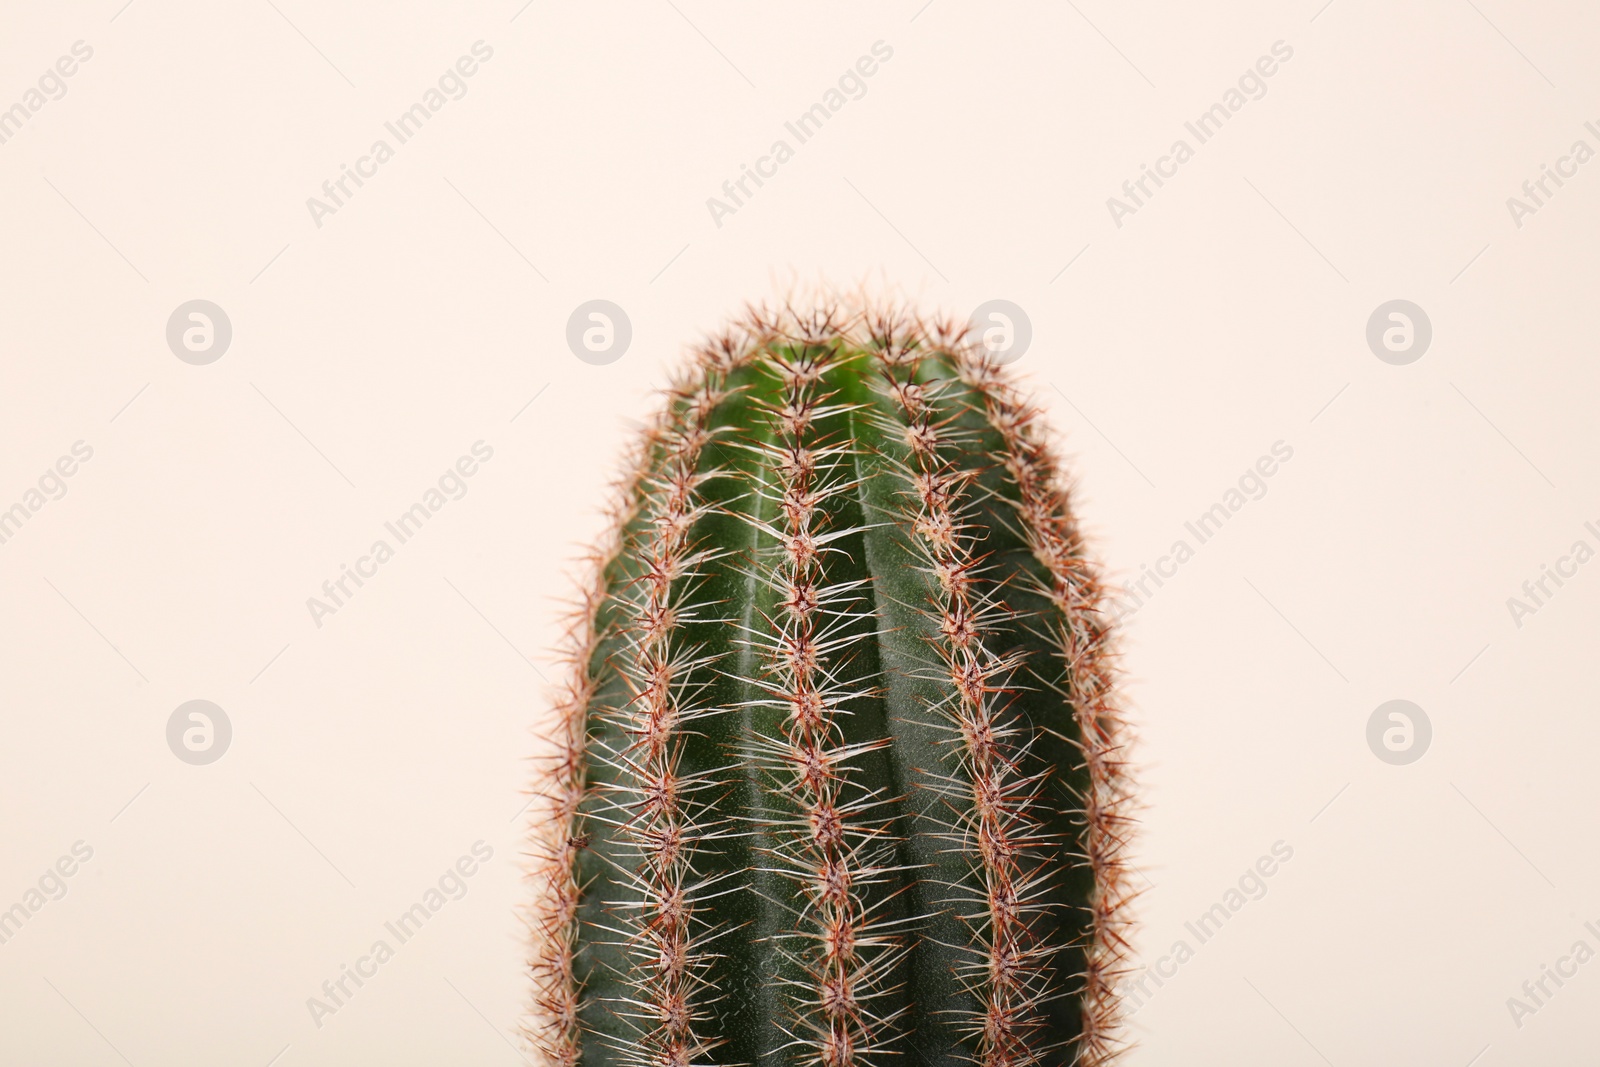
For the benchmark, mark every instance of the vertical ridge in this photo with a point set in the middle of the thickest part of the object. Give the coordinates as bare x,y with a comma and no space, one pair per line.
1084,639
651,804
553,1026
992,798
832,848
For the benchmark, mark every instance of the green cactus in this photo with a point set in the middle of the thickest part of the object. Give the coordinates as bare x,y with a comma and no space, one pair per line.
839,771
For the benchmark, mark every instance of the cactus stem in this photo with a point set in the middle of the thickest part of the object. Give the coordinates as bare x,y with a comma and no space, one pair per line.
839,773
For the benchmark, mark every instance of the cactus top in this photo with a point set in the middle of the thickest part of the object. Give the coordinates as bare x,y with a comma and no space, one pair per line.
839,776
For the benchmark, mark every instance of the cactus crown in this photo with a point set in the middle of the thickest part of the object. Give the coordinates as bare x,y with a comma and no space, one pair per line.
838,771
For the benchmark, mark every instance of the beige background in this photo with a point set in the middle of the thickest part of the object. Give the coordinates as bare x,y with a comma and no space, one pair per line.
368,354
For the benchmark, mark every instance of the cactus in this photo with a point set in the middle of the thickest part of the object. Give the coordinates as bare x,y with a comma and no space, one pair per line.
838,775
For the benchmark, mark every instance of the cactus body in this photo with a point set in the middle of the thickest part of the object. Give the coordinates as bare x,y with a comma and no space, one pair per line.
840,780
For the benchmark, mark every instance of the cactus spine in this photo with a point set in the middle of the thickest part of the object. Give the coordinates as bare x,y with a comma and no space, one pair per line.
839,776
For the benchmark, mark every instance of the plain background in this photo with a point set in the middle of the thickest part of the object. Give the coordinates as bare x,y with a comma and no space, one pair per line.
368,354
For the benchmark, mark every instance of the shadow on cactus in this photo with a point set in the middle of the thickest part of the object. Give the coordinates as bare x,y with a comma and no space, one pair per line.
840,778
